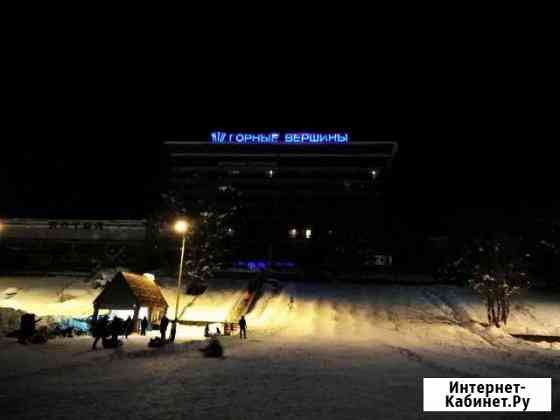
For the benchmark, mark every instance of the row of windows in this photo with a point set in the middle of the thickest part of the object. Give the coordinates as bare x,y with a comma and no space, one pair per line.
284,187
354,147
271,173
306,233
275,173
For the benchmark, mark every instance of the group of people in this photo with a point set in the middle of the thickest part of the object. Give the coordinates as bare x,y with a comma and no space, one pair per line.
103,328
242,329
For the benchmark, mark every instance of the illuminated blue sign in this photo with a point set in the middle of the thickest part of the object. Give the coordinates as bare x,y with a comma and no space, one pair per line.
220,137
263,265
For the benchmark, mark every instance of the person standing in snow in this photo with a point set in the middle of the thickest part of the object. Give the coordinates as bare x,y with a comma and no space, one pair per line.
163,327
116,330
99,330
173,330
242,327
127,327
27,328
144,326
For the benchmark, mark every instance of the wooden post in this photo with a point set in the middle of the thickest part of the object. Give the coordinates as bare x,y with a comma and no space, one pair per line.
135,318
150,311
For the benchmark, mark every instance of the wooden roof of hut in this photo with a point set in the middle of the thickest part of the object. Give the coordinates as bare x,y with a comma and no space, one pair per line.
128,289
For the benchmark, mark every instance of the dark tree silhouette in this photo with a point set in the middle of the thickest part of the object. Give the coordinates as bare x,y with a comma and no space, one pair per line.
214,222
497,269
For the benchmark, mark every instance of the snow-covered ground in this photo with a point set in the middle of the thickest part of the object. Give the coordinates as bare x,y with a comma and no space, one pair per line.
74,296
333,351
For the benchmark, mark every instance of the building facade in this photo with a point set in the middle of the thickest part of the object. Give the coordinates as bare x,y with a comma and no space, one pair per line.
70,244
306,196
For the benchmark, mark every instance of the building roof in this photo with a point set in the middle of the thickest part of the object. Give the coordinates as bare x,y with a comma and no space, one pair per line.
87,230
143,289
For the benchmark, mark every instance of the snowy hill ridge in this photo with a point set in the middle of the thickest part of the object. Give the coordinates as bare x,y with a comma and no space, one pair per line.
360,312
356,312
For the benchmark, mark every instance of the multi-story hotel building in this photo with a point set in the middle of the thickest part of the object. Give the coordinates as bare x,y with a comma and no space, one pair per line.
305,194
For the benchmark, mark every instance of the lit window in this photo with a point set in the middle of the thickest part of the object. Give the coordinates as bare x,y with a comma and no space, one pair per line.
307,233
292,233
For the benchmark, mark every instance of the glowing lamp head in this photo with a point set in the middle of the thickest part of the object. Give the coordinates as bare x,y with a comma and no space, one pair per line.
181,226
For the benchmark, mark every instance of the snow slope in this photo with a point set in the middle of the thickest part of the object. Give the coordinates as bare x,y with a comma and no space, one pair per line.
331,352
55,296
68,296
358,312
362,312
213,305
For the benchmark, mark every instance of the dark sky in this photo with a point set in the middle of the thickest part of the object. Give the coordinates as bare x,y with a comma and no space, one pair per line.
467,139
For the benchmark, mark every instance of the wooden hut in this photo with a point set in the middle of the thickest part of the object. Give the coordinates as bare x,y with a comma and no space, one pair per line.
135,293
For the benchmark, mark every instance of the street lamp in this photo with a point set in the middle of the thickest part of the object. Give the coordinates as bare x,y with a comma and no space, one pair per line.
181,227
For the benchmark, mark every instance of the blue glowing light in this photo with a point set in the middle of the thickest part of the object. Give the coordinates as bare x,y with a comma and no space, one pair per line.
263,265
221,137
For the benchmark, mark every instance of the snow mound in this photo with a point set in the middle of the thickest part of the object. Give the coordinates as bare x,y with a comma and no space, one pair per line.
496,332
214,305
42,295
9,319
10,292
76,292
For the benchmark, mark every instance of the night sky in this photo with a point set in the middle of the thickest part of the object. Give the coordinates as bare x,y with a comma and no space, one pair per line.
469,149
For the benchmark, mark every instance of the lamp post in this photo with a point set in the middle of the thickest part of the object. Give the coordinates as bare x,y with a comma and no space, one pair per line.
181,227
